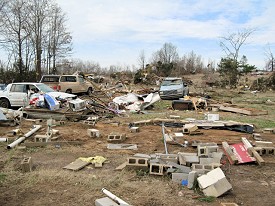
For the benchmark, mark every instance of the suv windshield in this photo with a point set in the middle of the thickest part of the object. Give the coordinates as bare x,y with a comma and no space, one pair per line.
171,82
44,88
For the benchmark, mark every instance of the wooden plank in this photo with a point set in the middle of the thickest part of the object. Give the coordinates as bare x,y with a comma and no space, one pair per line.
242,111
76,165
229,153
43,144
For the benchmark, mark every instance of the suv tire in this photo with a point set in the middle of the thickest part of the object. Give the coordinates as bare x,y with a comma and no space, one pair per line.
4,103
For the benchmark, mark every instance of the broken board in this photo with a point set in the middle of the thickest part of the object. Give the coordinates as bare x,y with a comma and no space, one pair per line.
241,153
76,165
246,111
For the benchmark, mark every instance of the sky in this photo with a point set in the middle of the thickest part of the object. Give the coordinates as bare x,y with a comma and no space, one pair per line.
115,32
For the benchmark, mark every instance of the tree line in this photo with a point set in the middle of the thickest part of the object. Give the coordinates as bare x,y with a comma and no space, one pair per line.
34,35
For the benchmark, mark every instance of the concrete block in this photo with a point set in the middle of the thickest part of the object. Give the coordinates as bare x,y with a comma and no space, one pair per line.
188,159
93,133
206,160
142,155
134,129
192,176
42,138
217,156
184,169
269,130
202,151
116,137
26,164
138,162
156,169
189,128
257,136
168,157
105,201
210,178
218,188
263,144
178,177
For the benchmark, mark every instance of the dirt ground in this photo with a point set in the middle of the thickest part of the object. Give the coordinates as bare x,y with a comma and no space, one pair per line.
49,184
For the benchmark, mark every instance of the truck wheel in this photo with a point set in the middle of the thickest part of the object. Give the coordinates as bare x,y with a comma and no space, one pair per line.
69,91
90,91
4,103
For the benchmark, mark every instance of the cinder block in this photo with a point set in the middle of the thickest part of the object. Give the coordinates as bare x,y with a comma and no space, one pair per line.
202,151
106,201
218,188
192,176
137,162
178,177
263,144
188,159
210,178
156,169
26,164
134,129
189,128
116,137
93,133
168,157
42,138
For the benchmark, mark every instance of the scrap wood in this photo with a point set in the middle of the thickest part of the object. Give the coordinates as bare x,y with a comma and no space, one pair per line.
229,153
246,111
76,165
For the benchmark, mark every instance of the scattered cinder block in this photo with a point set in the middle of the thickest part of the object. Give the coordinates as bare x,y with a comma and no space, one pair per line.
214,183
137,162
142,155
206,160
188,159
134,129
168,157
116,137
93,133
156,169
218,188
26,164
106,201
178,177
42,138
192,177
263,144
202,151
183,169
189,128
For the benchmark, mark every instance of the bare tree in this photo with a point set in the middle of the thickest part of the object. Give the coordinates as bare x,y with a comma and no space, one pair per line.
142,59
232,43
270,61
13,30
59,39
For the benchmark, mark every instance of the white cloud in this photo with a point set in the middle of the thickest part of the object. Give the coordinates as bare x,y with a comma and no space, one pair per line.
158,21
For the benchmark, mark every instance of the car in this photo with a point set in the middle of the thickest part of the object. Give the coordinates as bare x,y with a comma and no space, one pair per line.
2,87
173,88
73,84
18,94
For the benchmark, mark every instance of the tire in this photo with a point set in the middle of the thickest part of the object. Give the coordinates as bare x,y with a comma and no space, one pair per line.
69,91
5,103
90,91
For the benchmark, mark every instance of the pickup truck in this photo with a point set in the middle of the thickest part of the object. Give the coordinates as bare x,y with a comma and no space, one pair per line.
68,83
18,94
